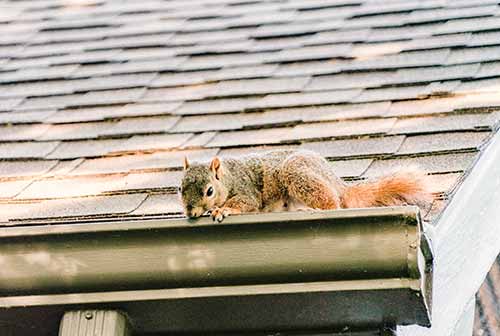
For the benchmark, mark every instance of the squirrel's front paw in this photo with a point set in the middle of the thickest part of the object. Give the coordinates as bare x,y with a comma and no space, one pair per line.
218,214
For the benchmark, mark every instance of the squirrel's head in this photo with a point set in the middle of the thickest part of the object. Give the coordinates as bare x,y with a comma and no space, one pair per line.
201,187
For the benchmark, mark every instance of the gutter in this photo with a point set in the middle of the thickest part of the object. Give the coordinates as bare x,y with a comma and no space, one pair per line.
360,268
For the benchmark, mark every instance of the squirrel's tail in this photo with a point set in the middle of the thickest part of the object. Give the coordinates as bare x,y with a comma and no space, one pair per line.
404,187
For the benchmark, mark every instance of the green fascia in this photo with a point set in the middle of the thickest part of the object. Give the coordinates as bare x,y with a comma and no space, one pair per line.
356,268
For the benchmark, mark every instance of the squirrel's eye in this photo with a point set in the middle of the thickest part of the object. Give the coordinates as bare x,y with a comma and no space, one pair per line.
210,191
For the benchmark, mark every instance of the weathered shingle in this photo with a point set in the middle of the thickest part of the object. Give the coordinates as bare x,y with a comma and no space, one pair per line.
444,142
84,148
341,129
22,132
142,125
73,207
356,147
25,168
26,150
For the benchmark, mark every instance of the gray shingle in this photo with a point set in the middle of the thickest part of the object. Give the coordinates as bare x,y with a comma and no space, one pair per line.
83,114
313,53
306,99
481,39
276,117
356,147
154,40
278,43
86,148
192,92
41,88
437,42
491,69
9,104
401,60
202,123
444,14
480,100
23,168
384,34
351,168
73,207
293,29
26,150
22,132
63,168
459,122
341,129
142,162
152,142
423,107
444,163
226,48
143,54
210,37
199,140
114,82
258,86
142,125
251,137
346,111
25,117
252,71
444,142
310,68
159,205
383,20
432,74
350,80
53,102
469,25
181,78
339,36
170,64
108,97
483,85
208,62
242,151
217,106
9,189
44,73
75,131
391,93
444,88
473,55
144,109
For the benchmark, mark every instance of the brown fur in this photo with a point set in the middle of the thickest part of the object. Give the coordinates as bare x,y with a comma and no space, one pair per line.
289,180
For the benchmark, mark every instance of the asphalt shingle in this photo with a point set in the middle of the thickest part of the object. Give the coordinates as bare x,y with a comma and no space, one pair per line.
444,142
356,147
27,150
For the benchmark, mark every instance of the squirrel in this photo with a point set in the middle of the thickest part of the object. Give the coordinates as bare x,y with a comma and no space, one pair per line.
289,180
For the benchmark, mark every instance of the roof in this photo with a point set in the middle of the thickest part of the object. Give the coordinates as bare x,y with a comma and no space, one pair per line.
100,100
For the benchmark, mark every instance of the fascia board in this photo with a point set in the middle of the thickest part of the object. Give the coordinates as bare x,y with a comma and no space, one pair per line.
466,241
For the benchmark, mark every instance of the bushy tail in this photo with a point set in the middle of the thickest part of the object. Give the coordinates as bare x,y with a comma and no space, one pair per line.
404,187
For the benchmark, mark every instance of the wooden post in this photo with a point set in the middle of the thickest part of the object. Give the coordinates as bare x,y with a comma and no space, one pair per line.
94,322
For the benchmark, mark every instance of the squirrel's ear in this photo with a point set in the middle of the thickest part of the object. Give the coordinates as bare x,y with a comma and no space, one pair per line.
186,163
216,168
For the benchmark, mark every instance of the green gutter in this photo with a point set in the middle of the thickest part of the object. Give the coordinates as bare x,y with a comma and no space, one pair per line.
348,258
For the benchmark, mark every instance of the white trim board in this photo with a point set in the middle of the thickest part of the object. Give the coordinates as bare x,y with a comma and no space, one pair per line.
466,241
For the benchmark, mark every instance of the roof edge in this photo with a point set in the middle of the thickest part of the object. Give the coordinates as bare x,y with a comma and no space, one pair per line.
466,241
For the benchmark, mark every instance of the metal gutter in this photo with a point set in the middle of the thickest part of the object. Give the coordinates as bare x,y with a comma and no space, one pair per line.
374,265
